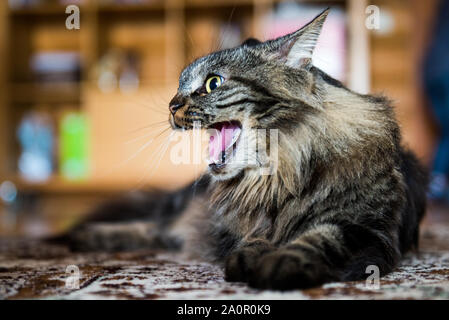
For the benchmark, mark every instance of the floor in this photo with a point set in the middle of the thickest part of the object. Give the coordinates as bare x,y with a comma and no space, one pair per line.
29,269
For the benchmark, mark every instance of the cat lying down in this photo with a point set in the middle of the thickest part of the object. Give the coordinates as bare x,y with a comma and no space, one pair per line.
342,193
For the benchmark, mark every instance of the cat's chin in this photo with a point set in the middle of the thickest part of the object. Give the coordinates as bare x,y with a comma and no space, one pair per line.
225,172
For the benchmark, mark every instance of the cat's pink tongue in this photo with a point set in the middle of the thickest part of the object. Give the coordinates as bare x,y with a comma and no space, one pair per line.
221,140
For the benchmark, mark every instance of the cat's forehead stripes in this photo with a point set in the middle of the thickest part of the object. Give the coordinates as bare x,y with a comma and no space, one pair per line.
191,79
193,76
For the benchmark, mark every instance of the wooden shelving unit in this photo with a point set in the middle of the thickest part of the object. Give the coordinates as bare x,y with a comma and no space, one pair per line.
167,35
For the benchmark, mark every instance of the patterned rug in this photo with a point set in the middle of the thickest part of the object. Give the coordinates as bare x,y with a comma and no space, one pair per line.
30,269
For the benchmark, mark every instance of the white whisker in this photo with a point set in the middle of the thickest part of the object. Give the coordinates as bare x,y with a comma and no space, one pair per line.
161,149
150,126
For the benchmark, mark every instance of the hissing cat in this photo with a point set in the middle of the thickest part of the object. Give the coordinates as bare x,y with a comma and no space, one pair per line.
344,195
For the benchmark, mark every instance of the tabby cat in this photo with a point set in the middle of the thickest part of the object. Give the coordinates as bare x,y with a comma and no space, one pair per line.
344,195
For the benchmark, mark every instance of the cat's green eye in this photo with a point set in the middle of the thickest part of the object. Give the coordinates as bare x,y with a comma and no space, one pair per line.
213,83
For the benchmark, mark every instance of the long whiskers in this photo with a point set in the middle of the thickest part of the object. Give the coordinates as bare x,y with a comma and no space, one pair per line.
152,107
225,38
161,149
153,125
146,135
139,151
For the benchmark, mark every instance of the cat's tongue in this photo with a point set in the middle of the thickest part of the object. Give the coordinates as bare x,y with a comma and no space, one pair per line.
221,140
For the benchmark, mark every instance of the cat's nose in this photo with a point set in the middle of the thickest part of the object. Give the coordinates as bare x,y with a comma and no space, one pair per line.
177,102
174,107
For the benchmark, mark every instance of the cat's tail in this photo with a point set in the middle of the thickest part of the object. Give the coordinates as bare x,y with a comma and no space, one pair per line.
416,179
139,220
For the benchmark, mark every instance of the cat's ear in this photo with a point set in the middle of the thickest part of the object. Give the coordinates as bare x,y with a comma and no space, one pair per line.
250,42
296,49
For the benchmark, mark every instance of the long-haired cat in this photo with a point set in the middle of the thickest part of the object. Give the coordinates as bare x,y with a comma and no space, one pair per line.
344,193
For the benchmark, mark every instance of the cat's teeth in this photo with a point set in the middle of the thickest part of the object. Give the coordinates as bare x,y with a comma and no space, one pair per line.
236,135
221,141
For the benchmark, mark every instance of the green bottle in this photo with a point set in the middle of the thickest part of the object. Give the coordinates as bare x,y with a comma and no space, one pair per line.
73,146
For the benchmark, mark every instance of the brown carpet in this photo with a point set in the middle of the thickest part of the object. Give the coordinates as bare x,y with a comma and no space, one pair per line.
30,269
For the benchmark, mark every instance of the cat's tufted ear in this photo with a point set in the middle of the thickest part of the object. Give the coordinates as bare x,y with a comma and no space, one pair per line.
296,49
250,42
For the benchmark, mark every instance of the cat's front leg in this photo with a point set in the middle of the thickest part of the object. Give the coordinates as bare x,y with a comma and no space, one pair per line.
325,253
242,262
291,268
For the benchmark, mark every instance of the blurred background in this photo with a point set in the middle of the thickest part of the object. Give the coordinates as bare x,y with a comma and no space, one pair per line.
83,111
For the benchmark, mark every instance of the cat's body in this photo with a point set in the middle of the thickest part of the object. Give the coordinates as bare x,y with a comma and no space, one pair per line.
344,194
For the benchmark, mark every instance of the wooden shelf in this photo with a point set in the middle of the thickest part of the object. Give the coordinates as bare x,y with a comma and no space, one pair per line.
164,35
132,7
217,3
152,5
48,93
41,10
59,185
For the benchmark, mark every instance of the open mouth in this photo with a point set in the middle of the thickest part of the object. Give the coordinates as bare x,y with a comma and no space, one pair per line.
222,143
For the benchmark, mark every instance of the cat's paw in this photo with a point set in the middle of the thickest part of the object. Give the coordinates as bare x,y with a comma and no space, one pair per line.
241,263
287,270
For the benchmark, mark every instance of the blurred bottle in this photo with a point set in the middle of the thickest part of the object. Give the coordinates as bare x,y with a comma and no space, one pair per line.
56,66
129,77
18,4
35,134
73,146
118,69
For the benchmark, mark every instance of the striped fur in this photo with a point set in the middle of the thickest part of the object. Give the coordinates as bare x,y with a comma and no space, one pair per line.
345,195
